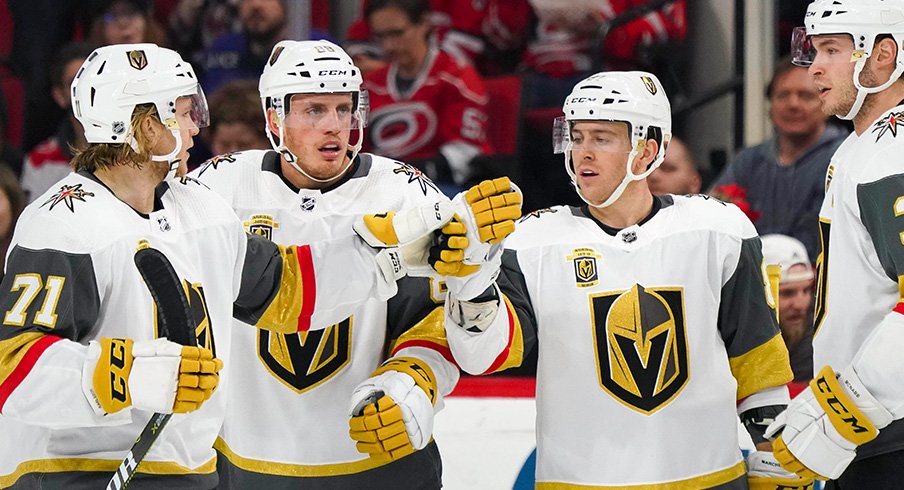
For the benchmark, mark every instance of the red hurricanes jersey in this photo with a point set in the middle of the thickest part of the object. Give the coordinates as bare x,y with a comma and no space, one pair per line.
445,104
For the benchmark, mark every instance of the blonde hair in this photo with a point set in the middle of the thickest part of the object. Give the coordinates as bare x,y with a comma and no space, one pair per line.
108,155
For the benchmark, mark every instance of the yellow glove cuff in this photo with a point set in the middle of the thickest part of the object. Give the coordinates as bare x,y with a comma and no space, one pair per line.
111,374
419,370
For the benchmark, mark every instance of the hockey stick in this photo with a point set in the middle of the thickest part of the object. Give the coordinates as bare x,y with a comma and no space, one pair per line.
176,324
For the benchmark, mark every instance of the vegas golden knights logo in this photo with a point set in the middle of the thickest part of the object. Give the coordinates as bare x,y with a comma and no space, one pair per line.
275,56
198,304
640,342
304,360
137,59
585,272
649,84
261,224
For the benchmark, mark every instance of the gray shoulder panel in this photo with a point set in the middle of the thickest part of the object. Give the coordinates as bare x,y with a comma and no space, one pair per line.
746,320
883,217
70,276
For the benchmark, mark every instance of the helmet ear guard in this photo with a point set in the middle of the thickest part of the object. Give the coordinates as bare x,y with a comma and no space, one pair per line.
635,98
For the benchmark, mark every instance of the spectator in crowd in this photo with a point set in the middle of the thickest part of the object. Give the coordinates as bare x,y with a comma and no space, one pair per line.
236,119
9,155
49,161
127,22
242,55
560,51
40,29
490,35
782,180
678,172
795,300
193,25
12,202
427,108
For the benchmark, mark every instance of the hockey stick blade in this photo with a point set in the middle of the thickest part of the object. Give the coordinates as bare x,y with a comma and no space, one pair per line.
177,324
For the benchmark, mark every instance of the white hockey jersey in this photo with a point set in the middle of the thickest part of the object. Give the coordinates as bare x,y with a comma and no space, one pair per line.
70,279
306,380
860,269
647,337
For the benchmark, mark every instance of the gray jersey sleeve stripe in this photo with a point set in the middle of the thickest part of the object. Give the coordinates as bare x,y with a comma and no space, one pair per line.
78,300
883,217
746,320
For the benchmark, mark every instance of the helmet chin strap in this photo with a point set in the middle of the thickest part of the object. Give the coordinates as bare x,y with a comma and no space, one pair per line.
170,157
629,175
862,91
293,160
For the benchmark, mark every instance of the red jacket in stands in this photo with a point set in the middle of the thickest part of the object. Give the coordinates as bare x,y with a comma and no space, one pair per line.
441,113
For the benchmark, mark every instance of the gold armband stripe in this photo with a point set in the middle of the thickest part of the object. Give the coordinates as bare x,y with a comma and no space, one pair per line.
18,356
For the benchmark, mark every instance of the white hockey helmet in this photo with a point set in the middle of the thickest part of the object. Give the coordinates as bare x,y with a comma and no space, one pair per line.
863,20
632,97
115,79
311,67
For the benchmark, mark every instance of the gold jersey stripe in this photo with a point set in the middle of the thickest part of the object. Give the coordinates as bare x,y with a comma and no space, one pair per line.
764,366
513,354
296,470
102,465
282,315
704,481
429,330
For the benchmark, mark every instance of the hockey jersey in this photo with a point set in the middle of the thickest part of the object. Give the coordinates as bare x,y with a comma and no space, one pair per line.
648,337
860,268
306,380
445,105
70,279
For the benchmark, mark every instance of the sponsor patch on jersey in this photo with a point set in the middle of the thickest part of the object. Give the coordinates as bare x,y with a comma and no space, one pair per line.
889,124
415,175
536,214
261,224
585,271
67,195
304,360
640,341
215,161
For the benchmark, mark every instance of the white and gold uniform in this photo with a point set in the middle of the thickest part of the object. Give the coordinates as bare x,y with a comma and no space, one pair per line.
305,381
648,338
859,306
70,279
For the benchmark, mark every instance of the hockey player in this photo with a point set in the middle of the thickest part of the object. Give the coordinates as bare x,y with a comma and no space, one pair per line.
81,365
313,185
655,326
846,426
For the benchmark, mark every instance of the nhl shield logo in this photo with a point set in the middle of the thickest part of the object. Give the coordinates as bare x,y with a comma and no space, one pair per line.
649,84
137,59
308,203
261,224
640,341
585,272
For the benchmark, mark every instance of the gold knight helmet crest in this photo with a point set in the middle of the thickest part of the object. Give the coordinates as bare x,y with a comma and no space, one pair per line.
138,59
649,84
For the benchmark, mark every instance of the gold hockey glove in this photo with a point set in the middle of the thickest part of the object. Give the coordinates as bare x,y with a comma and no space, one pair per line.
392,411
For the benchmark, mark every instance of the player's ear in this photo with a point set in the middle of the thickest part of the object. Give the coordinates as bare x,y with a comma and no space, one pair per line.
273,121
644,159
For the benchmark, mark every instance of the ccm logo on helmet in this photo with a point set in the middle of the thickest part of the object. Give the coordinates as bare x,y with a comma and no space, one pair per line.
332,72
577,100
